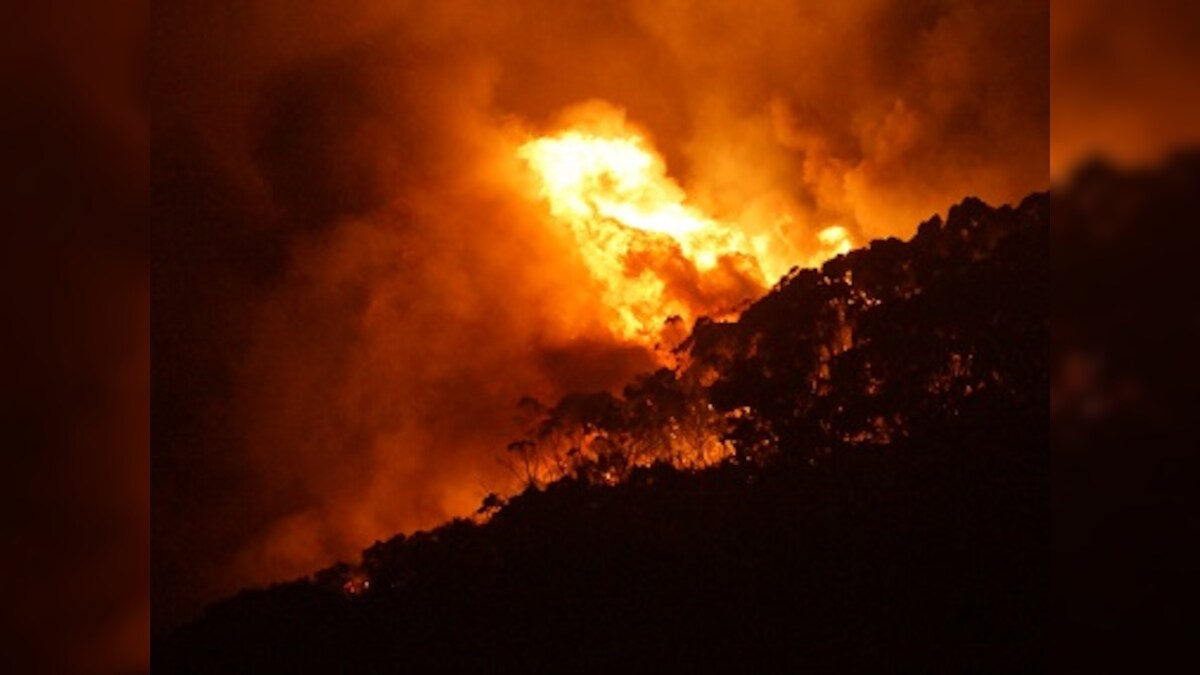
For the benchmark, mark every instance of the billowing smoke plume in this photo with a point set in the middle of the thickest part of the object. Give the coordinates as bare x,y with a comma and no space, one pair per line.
353,286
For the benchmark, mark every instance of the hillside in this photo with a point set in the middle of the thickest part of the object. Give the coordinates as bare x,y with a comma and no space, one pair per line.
854,475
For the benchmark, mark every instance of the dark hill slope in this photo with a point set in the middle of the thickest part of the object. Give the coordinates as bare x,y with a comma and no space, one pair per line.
886,507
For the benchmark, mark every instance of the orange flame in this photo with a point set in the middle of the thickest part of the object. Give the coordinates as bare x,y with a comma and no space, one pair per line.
654,255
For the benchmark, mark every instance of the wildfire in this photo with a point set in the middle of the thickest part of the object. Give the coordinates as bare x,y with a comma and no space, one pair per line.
835,239
653,254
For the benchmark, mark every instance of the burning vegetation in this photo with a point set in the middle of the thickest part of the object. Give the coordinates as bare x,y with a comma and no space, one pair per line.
654,255
855,353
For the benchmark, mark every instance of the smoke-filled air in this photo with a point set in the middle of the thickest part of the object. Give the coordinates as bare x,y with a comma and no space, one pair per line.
381,224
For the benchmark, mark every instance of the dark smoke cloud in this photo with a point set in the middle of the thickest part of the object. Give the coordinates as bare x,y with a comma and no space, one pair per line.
353,287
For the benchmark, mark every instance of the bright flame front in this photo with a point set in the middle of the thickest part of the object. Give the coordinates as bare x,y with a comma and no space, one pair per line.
654,255
586,177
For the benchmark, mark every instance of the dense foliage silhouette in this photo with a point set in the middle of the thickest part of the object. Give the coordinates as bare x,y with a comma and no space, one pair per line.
853,475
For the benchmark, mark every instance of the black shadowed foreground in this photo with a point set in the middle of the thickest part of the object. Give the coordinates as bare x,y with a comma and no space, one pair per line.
885,505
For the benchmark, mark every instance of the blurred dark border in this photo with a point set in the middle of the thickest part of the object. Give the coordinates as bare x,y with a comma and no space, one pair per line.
74,343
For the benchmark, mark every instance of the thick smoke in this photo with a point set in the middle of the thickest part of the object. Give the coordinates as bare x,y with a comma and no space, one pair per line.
353,285
1123,77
